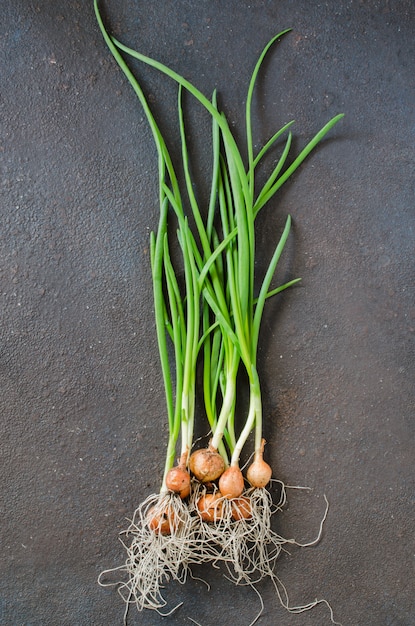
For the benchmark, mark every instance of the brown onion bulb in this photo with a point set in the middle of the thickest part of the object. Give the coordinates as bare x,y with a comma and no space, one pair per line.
259,472
178,480
210,507
161,522
231,483
241,508
206,464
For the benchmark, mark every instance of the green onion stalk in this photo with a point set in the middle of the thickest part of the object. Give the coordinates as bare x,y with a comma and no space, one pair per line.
246,206
177,314
206,509
162,538
239,316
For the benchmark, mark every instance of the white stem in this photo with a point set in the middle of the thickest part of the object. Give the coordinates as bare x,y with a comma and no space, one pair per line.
227,406
254,413
186,424
250,420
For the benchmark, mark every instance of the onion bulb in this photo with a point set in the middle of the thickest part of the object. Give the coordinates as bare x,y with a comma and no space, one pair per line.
210,507
231,483
206,464
259,472
178,480
161,521
241,508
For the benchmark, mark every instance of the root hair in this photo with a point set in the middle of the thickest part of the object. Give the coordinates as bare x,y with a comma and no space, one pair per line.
154,558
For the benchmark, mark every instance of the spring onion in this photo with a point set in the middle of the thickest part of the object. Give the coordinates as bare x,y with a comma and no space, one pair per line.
206,509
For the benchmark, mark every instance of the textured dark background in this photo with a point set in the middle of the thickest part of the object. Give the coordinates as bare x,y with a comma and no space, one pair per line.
82,410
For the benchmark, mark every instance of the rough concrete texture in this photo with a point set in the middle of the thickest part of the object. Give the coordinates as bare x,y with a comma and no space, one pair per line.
82,409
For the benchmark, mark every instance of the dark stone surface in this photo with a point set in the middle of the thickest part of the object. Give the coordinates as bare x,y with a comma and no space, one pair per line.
82,408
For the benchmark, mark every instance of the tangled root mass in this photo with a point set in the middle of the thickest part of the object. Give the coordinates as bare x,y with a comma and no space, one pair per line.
168,535
155,554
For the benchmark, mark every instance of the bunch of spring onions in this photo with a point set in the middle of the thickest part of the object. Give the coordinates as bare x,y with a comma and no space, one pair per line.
207,510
